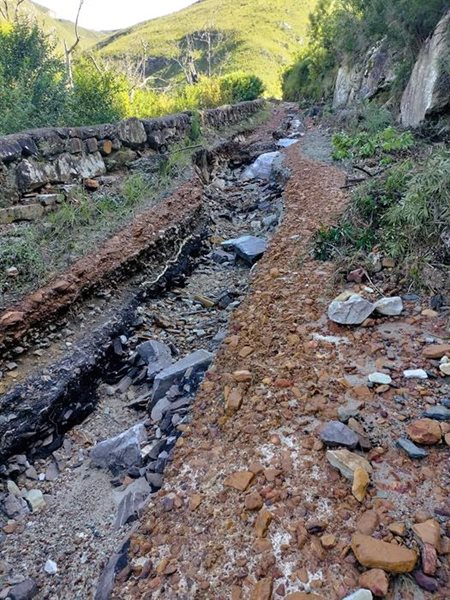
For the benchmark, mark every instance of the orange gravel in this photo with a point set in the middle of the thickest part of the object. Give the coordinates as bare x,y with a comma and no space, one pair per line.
251,508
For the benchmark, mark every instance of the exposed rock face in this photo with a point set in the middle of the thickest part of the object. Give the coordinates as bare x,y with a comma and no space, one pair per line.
428,90
365,80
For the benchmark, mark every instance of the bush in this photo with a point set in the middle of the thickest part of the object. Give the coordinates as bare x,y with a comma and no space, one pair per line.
365,145
240,87
33,89
98,96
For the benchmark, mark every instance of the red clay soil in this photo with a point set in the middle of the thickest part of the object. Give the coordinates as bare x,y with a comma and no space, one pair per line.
251,507
118,251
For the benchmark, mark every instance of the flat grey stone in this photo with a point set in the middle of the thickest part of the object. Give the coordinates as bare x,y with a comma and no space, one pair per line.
411,449
156,355
14,507
133,500
196,362
350,310
160,408
26,590
121,452
439,413
351,409
248,247
390,307
336,433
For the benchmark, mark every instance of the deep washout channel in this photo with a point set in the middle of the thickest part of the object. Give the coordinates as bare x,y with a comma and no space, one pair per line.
66,514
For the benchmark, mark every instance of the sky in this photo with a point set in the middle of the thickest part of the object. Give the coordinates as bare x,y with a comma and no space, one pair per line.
113,14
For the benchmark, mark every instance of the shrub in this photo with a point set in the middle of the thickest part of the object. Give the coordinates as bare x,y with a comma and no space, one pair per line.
365,145
32,79
240,87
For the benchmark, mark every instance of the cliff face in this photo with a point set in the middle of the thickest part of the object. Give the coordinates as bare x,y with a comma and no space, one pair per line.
428,90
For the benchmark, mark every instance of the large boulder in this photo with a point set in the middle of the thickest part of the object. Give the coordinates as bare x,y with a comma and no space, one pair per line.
428,90
350,309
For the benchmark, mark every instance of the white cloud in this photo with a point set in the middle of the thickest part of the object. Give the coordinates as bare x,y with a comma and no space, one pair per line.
113,14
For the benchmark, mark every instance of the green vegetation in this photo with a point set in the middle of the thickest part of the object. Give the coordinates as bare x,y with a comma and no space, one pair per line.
366,145
35,90
253,36
341,31
404,209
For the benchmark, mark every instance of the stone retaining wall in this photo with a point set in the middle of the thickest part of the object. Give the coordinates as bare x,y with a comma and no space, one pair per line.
37,167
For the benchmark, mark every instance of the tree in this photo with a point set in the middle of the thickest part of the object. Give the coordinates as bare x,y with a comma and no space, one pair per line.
7,14
69,50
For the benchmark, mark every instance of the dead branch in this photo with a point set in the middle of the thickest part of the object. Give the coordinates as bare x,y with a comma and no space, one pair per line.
69,50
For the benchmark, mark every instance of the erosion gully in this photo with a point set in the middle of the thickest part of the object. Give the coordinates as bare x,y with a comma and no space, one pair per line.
89,376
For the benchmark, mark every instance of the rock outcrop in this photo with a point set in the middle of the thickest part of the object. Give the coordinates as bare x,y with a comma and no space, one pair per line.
428,90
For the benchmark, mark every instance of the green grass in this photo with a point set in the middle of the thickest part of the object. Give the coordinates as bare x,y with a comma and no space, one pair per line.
264,35
59,28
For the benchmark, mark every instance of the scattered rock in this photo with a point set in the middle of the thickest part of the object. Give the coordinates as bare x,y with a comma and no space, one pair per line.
121,452
438,413
336,433
135,496
445,368
263,589
156,355
390,307
239,480
263,520
194,363
360,595
436,351
247,247
350,310
263,166
360,484
426,583
380,378
411,449
429,532
35,499
429,559
425,431
376,554
415,374
376,581
26,590
50,567
347,462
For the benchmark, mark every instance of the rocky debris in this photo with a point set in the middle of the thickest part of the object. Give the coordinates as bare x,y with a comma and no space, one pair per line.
240,480
336,433
429,532
50,567
263,166
376,581
411,449
156,355
390,307
133,500
380,378
121,452
444,367
439,413
360,483
425,431
436,351
415,374
196,362
376,554
347,462
26,590
350,309
426,583
35,499
247,247
361,594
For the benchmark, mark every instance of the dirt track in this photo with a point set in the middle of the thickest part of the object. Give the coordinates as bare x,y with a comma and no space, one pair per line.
204,539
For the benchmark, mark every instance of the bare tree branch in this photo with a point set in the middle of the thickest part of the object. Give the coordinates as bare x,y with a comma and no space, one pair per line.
69,50
16,11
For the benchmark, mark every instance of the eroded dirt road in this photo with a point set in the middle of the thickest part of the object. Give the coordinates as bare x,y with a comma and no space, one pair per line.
250,506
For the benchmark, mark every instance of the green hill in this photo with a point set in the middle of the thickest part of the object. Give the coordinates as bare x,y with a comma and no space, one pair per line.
59,28
255,36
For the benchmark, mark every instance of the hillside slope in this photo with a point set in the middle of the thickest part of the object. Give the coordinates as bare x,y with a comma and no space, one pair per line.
262,36
59,28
